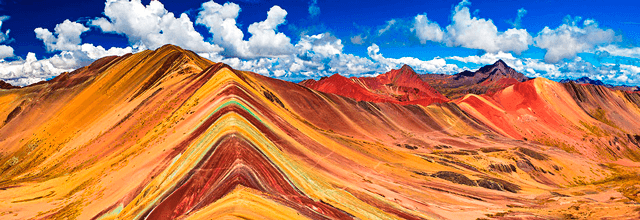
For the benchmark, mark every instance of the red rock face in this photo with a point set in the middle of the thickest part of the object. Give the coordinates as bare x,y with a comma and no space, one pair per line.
5,85
402,86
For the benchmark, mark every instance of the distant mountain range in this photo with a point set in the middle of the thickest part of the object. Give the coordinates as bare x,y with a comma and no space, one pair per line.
487,79
587,80
584,80
396,86
405,86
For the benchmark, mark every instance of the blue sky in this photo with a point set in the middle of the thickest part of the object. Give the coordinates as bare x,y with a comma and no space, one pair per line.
295,40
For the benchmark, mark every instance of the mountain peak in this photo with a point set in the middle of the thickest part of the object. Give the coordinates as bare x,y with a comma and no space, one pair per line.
404,72
406,67
500,63
500,69
170,47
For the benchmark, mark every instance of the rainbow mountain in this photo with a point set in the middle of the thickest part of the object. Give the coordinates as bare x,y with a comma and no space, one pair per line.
167,134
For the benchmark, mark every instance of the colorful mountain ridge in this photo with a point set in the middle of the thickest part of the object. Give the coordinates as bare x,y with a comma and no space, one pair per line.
167,134
401,86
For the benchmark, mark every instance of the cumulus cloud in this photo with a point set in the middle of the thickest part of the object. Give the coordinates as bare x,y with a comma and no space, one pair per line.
313,56
472,32
436,65
325,45
151,26
571,38
66,37
322,53
221,21
478,33
97,52
31,70
427,30
27,71
5,51
265,41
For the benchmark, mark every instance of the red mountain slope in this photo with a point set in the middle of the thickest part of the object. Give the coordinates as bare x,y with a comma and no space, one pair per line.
402,86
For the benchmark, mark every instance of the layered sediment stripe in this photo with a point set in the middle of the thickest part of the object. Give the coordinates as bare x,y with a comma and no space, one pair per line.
229,115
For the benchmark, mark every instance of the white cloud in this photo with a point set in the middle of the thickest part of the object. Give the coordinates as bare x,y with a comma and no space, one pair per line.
569,39
436,65
314,56
221,21
151,26
487,58
97,52
529,67
427,30
264,40
66,37
472,32
31,70
324,45
630,75
615,74
614,50
478,33
5,51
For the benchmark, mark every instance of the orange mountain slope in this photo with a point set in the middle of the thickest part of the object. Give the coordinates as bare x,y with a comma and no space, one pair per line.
166,134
